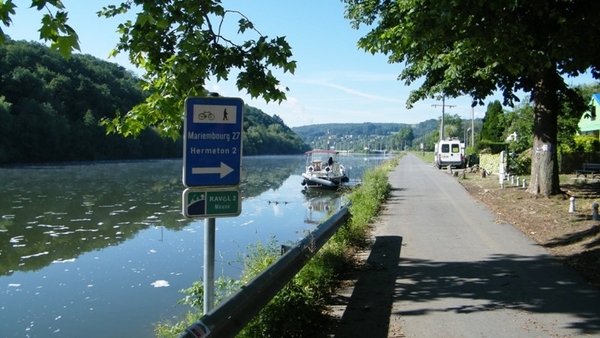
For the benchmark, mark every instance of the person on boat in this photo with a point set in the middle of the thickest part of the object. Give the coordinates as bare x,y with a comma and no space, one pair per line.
330,161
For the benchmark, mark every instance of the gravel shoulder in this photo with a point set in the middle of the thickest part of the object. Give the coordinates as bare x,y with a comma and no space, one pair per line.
573,237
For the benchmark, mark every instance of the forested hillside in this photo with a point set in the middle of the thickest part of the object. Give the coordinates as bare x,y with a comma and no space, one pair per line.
264,135
50,110
365,136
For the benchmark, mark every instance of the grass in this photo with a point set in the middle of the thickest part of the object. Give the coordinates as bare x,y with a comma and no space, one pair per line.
427,157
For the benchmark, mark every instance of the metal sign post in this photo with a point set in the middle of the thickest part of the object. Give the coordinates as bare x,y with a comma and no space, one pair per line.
209,264
212,166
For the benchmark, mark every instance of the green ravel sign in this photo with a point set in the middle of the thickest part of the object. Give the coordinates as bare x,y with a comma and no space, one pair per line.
217,202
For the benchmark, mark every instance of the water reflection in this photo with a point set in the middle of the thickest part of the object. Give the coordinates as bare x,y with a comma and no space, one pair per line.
56,213
321,203
86,245
261,173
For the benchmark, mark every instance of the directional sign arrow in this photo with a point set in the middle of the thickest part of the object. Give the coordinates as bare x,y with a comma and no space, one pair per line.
223,170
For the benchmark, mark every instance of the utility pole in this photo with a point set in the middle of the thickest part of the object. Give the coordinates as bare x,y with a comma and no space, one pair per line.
472,126
444,105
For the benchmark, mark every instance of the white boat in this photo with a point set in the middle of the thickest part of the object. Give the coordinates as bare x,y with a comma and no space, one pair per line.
323,170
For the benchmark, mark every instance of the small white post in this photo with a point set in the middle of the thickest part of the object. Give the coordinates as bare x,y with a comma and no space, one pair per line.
512,179
518,181
501,172
572,205
524,184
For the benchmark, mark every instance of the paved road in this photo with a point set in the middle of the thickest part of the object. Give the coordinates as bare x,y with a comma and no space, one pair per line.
441,266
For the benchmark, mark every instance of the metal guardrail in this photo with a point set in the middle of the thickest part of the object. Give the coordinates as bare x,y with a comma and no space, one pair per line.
230,317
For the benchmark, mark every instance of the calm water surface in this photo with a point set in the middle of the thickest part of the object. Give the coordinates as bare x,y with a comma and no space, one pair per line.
102,250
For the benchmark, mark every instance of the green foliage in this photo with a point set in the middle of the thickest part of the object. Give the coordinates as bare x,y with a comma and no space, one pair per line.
520,120
403,138
54,27
172,330
338,129
50,108
453,126
446,46
582,144
176,44
224,287
264,135
570,115
587,90
297,310
366,201
493,123
520,164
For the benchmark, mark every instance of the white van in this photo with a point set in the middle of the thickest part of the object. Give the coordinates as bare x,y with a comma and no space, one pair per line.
450,152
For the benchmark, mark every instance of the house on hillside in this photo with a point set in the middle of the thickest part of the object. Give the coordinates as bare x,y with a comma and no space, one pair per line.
589,124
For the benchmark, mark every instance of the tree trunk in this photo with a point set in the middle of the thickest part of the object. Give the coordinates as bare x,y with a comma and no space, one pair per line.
544,161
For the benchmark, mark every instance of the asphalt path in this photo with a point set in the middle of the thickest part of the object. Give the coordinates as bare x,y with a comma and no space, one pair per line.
441,265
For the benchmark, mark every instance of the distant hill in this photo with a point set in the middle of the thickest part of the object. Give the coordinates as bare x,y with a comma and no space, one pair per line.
339,129
366,128
360,136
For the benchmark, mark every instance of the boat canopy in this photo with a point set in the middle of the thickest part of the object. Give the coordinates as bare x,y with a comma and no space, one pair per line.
322,151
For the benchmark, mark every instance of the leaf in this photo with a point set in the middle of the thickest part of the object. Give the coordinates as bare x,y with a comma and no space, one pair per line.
7,8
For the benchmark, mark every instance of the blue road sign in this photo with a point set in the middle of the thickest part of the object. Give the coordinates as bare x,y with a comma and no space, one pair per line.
212,142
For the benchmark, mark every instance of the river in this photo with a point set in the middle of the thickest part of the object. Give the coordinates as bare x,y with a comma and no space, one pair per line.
102,249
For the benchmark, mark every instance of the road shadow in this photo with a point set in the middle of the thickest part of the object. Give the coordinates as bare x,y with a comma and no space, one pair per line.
531,284
368,309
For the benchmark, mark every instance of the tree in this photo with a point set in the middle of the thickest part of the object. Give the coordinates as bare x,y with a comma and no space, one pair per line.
54,25
477,47
520,121
492,123
453,126
179,45
403,138
492,130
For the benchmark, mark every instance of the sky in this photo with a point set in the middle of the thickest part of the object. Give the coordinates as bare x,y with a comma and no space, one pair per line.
335,82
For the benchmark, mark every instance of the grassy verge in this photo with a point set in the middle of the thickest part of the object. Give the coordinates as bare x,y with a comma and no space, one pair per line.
427,157
299,309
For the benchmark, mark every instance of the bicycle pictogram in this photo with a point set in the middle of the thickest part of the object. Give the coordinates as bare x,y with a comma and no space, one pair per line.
206,115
